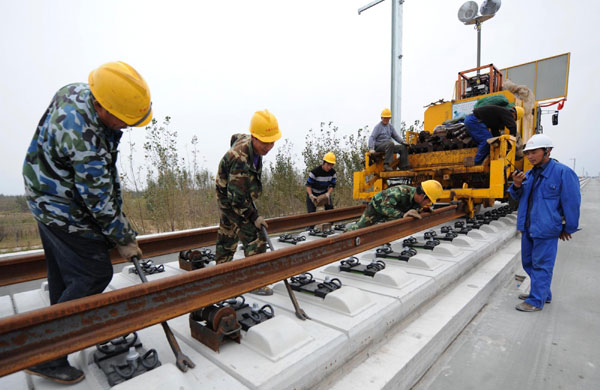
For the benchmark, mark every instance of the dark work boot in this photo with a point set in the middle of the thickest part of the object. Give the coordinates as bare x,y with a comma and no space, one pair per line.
525,296
63,373
524,306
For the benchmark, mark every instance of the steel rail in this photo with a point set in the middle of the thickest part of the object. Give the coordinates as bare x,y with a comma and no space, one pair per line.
23,267
33,337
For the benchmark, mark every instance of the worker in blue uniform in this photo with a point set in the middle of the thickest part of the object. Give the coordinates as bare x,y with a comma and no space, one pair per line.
549,200
489,121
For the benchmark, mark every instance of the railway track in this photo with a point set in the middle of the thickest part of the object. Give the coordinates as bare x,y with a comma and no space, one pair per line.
33,337
23,267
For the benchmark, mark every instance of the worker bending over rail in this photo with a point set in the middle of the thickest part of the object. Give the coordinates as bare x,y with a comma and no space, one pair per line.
399,202
73,190
549,201
320,184
382,140
238,185
494,117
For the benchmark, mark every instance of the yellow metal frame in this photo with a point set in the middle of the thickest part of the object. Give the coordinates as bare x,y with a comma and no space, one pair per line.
448,167
440,166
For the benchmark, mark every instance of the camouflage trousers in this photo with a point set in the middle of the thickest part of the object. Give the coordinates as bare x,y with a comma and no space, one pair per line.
369,217
232,229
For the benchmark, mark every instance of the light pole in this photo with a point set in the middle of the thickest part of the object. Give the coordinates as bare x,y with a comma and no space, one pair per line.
467,14
396,73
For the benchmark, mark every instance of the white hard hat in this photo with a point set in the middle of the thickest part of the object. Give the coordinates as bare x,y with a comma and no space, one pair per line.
538,141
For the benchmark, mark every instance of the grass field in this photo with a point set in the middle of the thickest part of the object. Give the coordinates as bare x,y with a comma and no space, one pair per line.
18,228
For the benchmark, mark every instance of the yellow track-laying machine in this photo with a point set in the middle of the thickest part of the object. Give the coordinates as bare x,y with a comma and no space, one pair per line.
444,153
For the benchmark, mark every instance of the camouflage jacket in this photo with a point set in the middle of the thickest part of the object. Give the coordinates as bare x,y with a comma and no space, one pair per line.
70,173
238,180
393,202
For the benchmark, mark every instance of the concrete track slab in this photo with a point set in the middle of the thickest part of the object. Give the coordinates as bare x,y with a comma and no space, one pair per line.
299,367
402,357
31,300
6,306
205,375
374,310
399,284
556,348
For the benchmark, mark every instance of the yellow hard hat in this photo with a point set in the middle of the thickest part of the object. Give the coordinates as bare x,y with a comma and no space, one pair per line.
520,111
386,113
123,92
329,157
264,126
433,189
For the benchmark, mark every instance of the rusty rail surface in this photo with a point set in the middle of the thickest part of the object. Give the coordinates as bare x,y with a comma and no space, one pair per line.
21,267
33,337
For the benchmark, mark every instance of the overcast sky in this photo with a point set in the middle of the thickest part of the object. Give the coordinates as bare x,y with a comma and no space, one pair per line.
210,65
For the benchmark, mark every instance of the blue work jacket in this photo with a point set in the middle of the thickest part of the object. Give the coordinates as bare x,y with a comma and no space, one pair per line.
556,198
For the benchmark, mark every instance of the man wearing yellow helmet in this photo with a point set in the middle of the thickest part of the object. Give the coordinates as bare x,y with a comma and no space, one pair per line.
239,185
399,202
382,140
320,184
73,189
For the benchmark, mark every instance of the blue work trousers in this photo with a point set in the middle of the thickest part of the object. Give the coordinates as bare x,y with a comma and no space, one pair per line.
480,134
77,266
538,256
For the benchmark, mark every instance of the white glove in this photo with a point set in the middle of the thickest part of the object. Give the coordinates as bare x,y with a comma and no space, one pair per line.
130,250
313,199
260,222
371,151
412,213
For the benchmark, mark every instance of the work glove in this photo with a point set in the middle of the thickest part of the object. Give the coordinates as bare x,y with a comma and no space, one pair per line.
412,213
313,199
371,151
260,223
322,200
130,250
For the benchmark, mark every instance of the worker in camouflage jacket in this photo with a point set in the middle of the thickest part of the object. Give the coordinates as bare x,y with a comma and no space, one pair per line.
239,185
399,202
73,190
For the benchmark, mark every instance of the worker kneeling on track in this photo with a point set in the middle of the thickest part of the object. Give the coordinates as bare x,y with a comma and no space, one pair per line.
496,118
238,185
73,189
399,202
549,200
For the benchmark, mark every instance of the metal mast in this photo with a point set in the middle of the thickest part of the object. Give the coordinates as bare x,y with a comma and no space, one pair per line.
396,58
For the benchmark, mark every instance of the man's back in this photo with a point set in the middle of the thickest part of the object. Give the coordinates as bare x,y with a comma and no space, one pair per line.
70,173
496,118
393,202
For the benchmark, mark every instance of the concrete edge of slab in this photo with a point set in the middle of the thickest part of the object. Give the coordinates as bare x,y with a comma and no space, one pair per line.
404,356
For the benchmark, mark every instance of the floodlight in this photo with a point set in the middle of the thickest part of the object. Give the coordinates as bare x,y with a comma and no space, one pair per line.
489,7
467,12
